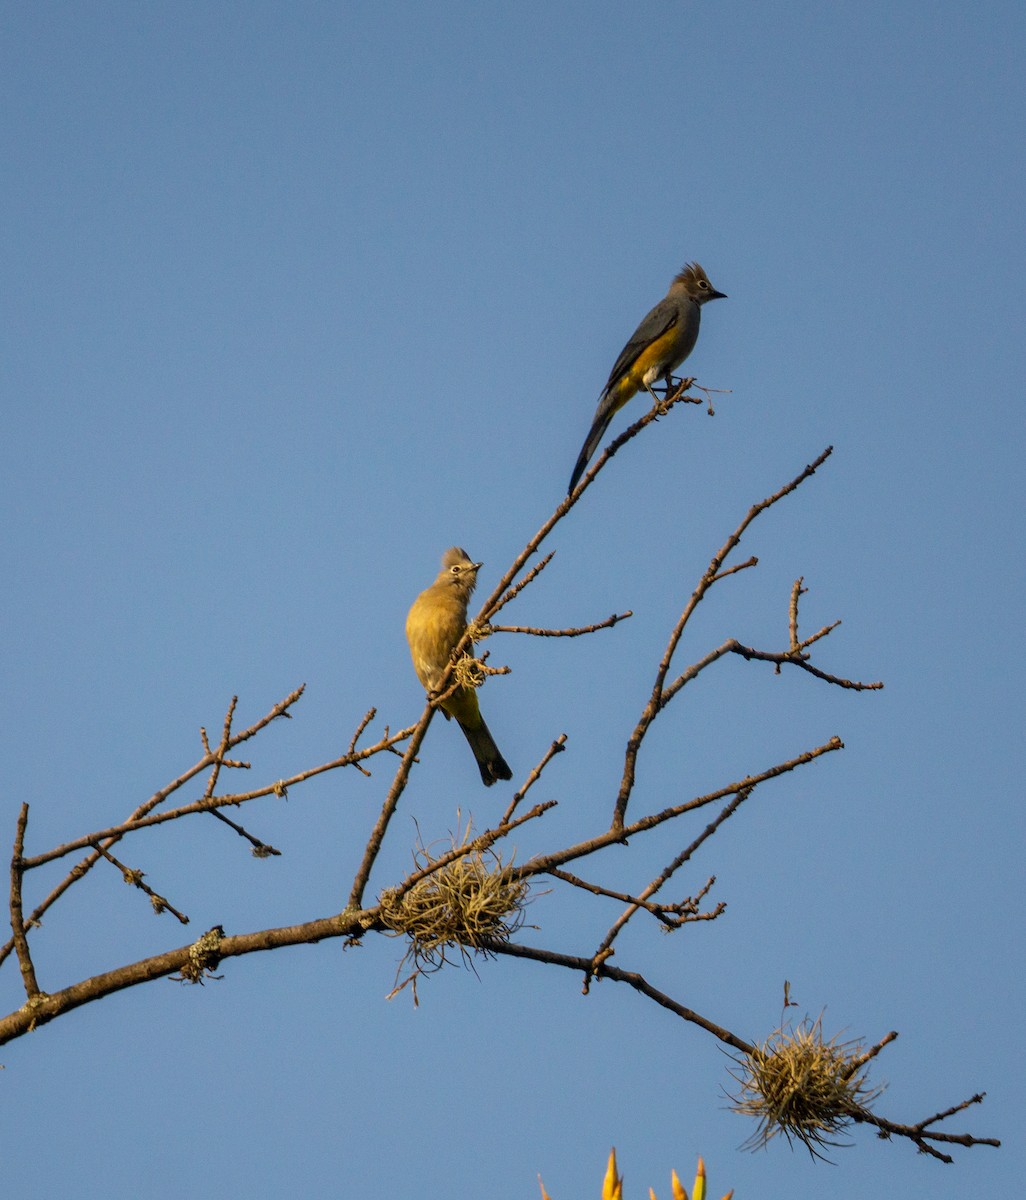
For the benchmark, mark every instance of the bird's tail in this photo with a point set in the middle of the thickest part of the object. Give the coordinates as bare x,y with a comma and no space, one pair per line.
614,396
490,762
605,412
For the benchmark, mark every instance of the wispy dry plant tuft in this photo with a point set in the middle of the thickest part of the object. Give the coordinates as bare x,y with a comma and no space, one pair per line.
798,1084
469,901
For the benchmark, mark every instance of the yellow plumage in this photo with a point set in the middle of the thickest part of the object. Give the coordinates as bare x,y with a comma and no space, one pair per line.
434,626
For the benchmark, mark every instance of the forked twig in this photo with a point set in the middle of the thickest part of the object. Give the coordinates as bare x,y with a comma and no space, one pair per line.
661,692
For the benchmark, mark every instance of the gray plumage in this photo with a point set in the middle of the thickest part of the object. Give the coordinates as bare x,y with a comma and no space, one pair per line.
662,341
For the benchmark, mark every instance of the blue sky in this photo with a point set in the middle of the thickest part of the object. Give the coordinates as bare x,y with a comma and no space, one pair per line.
297,296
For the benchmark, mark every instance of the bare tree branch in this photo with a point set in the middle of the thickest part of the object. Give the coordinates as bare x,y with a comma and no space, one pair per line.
467,863
923,1136
588,968
661,694
667,873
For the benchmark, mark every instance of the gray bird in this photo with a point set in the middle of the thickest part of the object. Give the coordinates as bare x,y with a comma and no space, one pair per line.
436,622
657,347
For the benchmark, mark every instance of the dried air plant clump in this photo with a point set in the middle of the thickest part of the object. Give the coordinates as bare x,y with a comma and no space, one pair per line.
204,956
469,672
802,1086
462,904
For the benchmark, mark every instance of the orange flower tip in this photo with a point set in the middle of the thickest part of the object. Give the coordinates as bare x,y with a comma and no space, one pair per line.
612,1185
699,1193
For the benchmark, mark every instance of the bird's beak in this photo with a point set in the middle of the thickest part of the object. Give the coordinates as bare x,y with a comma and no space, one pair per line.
476,566
715,295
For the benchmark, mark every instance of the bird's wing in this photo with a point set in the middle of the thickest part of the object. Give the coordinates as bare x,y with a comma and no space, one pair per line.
665,314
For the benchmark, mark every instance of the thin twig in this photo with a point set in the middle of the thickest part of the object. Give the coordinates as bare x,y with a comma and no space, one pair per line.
796,660
534,631
744,566
555,748
391,801
672,916
858,1063
792,622
222,749
667,873
530,577
260,849
921,1134
368,716
135,878
28,971
197,806
544,862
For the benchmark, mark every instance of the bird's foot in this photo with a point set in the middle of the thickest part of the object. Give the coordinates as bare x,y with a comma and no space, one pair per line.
660,397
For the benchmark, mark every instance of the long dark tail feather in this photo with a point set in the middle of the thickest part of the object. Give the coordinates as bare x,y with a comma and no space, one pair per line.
599,426
490,762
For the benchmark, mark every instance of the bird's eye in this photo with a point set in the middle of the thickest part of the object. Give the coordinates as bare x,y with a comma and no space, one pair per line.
704,284
455,570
